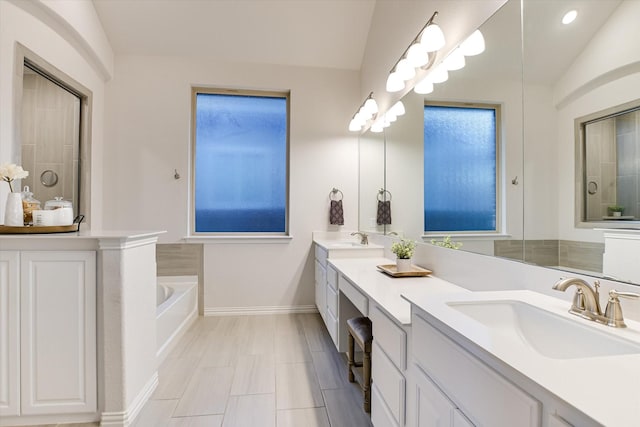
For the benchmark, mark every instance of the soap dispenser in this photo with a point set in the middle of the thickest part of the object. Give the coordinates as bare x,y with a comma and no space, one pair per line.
29,204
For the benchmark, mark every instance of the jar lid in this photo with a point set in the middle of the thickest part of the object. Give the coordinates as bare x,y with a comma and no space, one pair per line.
57,203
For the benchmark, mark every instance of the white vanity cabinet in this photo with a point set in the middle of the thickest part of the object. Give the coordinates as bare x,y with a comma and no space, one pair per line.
477,392
48,361
321,281
389,363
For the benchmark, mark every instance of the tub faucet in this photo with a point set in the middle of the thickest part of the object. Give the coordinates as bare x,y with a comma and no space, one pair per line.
586,302
364,238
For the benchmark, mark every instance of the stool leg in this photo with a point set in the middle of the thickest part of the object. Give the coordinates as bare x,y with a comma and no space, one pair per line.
350,358
366,387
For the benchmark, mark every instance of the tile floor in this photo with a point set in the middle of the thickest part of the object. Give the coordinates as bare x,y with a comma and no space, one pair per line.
255,371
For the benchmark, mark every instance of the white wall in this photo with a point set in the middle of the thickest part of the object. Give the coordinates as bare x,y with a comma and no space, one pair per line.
49,31
148,134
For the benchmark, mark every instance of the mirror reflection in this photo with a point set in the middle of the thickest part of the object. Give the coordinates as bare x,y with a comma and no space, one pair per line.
544,75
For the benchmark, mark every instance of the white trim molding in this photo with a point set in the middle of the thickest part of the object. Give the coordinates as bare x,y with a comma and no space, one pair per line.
253,311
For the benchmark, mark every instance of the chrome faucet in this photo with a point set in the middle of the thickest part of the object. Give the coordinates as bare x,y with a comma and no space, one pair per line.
586,302
364,237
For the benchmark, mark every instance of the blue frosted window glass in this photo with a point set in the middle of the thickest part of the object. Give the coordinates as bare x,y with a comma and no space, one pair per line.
459,169
240,164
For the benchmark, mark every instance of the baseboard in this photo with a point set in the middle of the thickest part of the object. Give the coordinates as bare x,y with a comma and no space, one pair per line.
164,351
126,418
254,311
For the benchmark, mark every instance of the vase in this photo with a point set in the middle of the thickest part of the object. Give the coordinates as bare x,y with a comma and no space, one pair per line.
13,214
403,265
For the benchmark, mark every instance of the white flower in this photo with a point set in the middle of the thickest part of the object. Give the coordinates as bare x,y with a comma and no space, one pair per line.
11,171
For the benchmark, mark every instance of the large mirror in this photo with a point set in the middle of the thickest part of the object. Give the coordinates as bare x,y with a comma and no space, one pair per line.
544,75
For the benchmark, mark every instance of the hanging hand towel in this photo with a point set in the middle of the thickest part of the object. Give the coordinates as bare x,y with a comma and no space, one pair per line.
384,212
336,213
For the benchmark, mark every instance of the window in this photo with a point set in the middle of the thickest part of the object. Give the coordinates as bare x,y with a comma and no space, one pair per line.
460,168
240,162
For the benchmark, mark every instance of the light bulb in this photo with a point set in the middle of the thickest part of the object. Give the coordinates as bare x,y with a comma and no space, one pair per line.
424,87
371,106
569,17
455,60
432,38
405,69
417,55
439,74
390,117
398,108
394,82
473,45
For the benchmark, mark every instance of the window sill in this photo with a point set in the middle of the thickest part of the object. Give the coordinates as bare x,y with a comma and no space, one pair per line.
467,236
223,240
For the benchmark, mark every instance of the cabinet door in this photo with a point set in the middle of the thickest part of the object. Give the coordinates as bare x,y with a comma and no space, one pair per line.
459,420
321,298
58,332
431,407
9,333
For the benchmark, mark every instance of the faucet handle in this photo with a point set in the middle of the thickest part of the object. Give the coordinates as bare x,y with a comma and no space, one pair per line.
613,312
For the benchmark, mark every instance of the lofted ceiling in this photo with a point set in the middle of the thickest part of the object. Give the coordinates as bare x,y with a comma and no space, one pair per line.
310,33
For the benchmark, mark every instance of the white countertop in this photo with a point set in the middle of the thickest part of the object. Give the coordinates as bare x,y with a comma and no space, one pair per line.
605,388
385,290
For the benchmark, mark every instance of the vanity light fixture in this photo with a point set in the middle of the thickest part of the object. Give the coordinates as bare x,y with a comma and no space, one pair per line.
569,17
429,39
367,111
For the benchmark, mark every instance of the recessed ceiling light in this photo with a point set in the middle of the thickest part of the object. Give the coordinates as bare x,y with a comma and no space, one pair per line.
569,17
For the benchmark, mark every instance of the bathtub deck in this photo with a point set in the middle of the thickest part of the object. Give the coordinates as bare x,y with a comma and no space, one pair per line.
268,371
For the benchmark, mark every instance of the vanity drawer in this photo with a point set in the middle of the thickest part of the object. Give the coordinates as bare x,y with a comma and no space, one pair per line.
321,273
390,337
332,277
332,326
321,255
390,383
359,300
380,415
481,393
332,301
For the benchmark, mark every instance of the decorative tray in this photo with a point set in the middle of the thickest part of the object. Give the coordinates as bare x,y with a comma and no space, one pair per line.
392,270
43,229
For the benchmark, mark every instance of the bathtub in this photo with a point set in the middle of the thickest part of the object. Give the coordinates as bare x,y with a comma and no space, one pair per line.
176,310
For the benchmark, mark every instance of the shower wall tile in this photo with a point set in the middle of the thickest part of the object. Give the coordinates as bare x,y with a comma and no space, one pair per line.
541,252
511,249
581,255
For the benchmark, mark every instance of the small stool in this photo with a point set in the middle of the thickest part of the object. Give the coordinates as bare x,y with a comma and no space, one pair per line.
360,332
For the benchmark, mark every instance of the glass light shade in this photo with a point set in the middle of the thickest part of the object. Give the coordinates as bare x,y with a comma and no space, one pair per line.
394,83
473,45
371,106
439,74
398,108
405,70
389,117
424,87
432,38
377,127
455,60
417,55
360,119
354,126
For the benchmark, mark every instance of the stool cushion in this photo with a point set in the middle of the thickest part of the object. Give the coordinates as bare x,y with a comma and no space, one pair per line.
361,328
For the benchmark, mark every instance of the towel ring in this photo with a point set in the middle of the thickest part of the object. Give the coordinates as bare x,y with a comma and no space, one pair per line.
334,193
383,193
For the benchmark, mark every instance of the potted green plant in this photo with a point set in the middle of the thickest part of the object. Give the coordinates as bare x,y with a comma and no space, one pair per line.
616,210
404,252
447,243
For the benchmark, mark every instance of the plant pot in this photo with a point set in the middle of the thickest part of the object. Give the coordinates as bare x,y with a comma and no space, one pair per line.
403,265
617,213
13,214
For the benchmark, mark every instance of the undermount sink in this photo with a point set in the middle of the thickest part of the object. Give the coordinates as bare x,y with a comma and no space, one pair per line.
345,245
545,332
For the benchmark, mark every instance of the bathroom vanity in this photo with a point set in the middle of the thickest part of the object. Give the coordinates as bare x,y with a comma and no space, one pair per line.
444,354
65,355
